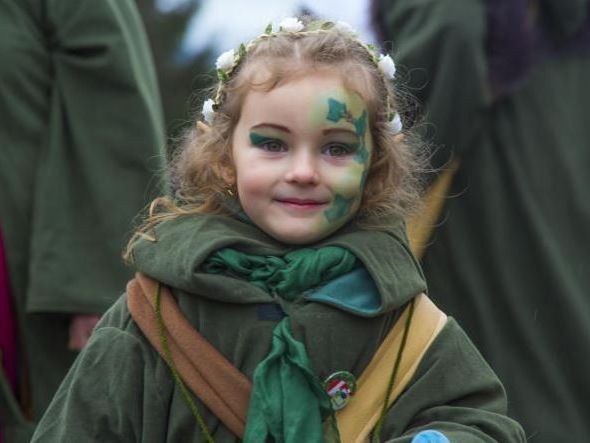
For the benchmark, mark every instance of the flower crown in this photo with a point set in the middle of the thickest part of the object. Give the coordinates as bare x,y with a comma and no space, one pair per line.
228,61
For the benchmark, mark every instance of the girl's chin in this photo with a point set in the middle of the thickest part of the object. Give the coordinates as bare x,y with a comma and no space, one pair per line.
299,234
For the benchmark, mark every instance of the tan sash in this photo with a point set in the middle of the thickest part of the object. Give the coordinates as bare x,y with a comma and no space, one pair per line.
421,225
359,417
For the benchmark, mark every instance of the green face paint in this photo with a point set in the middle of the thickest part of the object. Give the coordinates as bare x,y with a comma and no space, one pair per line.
338,110
257,139
360,124
340,208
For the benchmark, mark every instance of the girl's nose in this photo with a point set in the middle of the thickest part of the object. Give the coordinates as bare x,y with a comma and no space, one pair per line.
303,169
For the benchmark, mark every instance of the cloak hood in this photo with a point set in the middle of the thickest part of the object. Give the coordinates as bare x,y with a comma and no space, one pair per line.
181,246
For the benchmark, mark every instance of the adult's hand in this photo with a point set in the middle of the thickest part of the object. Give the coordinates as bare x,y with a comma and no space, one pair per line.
81,327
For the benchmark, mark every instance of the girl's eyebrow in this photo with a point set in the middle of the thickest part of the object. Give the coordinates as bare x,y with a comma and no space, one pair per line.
272,125
282,128
329,131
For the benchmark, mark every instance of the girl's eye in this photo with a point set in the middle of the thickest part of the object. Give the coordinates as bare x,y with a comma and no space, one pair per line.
272,146
339,149
266,143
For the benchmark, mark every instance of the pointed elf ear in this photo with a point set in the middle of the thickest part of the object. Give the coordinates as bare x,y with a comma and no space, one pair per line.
203,128
228,175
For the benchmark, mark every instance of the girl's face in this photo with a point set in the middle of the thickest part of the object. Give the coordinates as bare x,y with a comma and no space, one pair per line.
301,153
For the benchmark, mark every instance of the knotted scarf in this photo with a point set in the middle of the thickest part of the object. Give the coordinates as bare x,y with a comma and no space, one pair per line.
286,276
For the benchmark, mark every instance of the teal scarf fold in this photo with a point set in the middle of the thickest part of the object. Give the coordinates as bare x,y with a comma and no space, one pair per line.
288,402
286,276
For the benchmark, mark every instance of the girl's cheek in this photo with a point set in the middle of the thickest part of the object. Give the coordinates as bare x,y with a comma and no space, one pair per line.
347,190
348,182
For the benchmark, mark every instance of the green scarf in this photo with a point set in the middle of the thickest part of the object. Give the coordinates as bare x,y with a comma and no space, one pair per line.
286,276
287,403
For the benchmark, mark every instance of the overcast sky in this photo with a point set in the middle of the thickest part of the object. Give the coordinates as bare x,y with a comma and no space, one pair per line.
224,24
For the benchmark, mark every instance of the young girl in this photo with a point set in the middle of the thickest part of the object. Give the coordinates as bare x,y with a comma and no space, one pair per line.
285,249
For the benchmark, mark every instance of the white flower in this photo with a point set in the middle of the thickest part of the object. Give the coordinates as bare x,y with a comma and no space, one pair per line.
386,65
344,27
291,24
396,124
208,112
226,60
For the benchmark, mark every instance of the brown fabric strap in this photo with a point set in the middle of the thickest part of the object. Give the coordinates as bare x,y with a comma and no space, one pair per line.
207,373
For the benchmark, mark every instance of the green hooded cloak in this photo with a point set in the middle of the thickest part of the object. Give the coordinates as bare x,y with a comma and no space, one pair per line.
120,389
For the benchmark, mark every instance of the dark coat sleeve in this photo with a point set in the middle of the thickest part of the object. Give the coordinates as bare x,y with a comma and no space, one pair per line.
113,392
454,392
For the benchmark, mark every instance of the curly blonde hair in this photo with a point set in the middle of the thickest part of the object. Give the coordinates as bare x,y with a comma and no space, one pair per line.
202,168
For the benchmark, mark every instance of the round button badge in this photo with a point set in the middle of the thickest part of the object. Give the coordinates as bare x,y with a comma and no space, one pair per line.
340,386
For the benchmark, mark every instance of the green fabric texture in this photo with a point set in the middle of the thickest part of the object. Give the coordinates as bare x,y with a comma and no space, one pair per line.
283,379
285,376
287,276
120,390
81,144
509,257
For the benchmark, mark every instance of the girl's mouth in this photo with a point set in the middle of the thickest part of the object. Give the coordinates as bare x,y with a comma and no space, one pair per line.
302,204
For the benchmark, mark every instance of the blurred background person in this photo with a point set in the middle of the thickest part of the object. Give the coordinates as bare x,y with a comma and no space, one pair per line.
81,138
505,89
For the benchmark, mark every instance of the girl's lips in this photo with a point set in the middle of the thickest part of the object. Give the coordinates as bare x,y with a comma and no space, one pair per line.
296,203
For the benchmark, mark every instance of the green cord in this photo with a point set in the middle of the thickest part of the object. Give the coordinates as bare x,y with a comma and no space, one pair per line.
168,357
377,431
